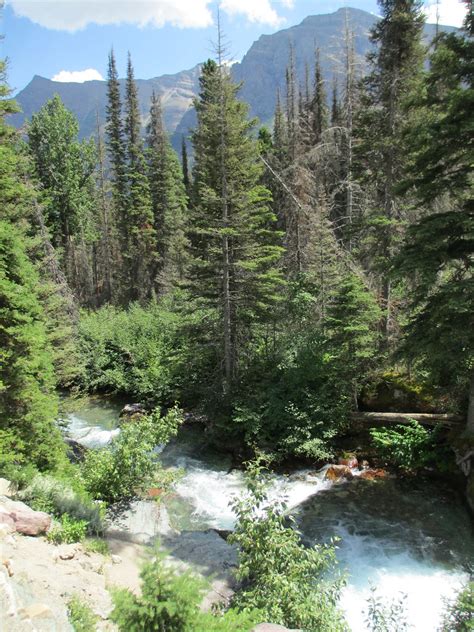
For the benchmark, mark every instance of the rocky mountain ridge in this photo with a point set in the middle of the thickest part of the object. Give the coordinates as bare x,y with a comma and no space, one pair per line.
261,71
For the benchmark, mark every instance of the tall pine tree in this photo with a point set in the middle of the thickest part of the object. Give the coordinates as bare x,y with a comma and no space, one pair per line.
235,269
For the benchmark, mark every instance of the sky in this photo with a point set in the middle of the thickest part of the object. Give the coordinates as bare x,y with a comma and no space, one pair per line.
69,40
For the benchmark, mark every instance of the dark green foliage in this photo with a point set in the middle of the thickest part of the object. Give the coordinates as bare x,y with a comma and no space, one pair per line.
437,257
64,167
116,146
139,245
296,395
235,249
169,602
28,405
295,403
128,465
381,154
169,201
410,447
288,583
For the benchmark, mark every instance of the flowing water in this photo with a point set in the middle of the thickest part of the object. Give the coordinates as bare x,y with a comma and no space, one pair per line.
410,538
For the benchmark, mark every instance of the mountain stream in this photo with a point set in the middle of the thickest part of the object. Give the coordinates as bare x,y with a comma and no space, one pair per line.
411,538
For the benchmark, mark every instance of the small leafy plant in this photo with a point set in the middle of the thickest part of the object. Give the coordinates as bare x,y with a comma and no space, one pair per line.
128,465
288,583
68,531
81,616
386,616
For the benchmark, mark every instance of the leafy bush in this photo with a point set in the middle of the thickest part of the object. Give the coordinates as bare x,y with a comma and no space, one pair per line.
81,616
288,583
386,617
295,404
128,465
409,447
68,531
59,497
459,615
170,602
134,351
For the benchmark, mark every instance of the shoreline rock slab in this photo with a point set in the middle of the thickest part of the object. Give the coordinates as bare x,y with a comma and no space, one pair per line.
26,521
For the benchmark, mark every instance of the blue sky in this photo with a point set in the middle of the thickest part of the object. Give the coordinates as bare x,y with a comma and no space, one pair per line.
70,39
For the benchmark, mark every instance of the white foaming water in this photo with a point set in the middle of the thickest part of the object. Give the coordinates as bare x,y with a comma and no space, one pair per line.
368,552
90,436
394,573
210,492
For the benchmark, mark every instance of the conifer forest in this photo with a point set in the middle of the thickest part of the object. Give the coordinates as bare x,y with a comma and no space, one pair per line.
297,296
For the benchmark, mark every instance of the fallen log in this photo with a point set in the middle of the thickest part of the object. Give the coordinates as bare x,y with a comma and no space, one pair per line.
426,419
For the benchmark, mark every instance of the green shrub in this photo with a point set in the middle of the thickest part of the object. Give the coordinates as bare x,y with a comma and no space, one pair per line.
459,615
134,351
409,447
68,531
58,497
170,602
295,404
81,616
128,465
96,545
288,583
386,616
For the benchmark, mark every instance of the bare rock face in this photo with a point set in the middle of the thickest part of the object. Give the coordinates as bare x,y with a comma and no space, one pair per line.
6,488
25,520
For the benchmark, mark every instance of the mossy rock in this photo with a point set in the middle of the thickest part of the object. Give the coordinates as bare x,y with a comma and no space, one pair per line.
397,393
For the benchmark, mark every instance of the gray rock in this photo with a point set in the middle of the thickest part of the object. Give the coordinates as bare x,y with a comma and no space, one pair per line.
211,556
6,488
140,521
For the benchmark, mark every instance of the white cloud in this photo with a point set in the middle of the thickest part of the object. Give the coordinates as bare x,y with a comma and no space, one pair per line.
73,15
451,12
78,76
259,11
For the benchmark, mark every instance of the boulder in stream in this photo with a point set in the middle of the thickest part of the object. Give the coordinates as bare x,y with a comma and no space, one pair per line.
339,473
131,412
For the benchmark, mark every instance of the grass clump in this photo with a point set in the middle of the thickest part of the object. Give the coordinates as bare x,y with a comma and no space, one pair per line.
81,616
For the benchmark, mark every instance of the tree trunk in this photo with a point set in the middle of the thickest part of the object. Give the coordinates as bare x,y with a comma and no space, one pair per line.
470,409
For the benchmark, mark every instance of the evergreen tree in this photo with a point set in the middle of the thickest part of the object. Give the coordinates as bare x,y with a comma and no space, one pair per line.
65,167
139,259
116,146
319,106
395,71
185,167
235,269
438,255
28,405
169,201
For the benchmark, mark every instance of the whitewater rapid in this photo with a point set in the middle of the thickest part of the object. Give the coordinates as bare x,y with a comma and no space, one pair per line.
386,539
